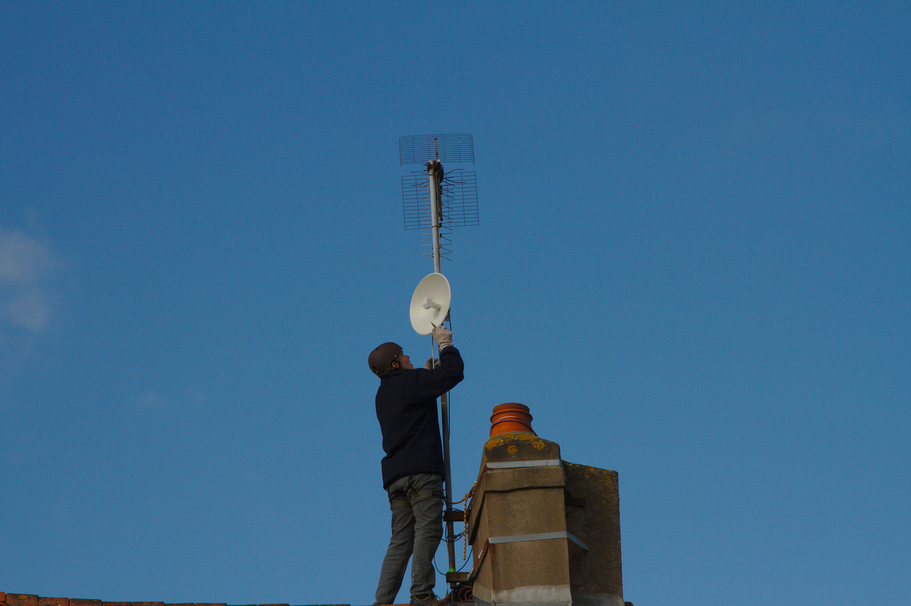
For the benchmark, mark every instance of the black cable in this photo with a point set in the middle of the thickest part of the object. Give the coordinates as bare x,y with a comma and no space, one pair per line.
467,559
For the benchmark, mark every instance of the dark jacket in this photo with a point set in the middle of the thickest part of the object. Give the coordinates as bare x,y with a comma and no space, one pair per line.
407,411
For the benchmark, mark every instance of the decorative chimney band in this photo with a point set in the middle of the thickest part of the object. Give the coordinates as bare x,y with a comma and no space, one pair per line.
539,536
517,464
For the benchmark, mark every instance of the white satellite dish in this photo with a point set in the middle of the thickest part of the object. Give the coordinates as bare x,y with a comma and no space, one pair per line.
430,303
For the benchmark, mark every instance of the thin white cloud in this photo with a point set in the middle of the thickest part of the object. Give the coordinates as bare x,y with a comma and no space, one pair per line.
150,400
27,268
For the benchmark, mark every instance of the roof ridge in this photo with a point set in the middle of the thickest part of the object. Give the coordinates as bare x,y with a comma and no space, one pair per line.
27,599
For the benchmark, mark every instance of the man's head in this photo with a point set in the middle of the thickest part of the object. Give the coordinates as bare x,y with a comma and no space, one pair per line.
388,357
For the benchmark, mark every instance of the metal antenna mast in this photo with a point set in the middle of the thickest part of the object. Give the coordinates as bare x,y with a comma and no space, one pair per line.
435,175
452,202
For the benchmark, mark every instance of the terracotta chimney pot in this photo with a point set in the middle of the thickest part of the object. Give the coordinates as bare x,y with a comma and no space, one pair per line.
510,418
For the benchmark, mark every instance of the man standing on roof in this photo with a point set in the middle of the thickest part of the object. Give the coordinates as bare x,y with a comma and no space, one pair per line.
406,406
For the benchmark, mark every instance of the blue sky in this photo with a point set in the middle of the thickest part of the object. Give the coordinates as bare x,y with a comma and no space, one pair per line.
692,264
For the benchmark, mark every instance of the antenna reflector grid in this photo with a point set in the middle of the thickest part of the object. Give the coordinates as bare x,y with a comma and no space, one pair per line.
453,147
415,201
459,201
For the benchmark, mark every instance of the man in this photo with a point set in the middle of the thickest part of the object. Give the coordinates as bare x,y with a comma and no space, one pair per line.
413,466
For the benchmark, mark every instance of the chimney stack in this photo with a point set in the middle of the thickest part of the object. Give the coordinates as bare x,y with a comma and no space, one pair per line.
542,531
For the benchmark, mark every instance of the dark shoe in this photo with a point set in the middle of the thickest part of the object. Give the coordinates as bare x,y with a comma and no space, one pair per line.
428,599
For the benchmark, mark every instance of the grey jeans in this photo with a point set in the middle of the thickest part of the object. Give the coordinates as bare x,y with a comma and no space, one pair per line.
417,526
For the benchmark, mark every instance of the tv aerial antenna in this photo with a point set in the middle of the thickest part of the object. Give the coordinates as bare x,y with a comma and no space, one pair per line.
435,201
